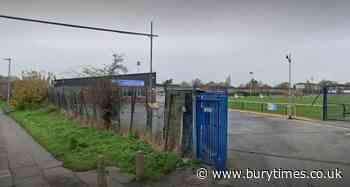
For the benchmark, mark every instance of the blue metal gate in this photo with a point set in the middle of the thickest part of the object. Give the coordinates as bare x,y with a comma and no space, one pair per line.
211,128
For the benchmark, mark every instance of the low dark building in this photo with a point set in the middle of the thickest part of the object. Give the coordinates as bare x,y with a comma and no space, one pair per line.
129,83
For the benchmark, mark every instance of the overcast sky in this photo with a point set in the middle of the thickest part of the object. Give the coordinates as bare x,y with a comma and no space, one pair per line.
198,38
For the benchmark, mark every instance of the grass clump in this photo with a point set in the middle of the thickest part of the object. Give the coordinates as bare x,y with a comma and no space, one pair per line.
2,104
79,147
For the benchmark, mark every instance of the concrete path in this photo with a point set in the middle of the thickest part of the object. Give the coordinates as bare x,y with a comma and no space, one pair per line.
262,142
23,162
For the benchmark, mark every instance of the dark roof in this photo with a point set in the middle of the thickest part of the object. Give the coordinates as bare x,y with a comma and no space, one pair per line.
304,83
84,81
107,76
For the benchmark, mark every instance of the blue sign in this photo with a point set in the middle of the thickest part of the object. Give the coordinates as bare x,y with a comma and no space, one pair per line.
128,83
272,107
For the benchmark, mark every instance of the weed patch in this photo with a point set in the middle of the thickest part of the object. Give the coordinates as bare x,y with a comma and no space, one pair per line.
79,147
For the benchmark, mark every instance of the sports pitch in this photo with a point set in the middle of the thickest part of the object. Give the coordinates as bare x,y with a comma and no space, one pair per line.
304,106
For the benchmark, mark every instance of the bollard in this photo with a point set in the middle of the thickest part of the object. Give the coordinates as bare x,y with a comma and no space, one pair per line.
140,165
101,172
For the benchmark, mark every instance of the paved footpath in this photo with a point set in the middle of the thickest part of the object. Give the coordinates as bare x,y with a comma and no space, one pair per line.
23,162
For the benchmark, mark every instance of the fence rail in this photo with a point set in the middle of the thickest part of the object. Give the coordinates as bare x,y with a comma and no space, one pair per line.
300,110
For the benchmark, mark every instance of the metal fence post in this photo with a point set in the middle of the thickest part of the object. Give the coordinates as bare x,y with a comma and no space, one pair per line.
194,122
325,103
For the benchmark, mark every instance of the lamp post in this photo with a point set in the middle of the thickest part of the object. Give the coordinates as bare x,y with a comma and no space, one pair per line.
138,63
289,59
251,82
8,80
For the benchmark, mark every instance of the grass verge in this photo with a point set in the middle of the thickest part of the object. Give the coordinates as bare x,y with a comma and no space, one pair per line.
79,147
3,104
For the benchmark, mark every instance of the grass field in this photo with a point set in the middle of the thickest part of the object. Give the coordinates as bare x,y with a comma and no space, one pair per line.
304,106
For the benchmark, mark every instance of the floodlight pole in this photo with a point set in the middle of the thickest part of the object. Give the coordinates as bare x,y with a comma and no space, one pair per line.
8,80
289,58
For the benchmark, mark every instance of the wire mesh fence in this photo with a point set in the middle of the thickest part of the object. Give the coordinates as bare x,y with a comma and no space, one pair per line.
313,111
337,103
103,104
93,105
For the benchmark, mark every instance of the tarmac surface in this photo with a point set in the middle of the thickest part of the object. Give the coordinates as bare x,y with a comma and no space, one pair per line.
264,143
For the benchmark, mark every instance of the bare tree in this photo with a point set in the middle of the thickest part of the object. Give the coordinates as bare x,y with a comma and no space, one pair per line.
228,81
282,85
197,83
185,84
115,68
324,83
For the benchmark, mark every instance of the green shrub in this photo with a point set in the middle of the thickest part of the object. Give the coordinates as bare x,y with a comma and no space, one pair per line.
30,91
51,109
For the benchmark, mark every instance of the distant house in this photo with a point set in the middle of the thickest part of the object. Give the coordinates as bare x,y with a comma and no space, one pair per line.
307,88
312,88
339,89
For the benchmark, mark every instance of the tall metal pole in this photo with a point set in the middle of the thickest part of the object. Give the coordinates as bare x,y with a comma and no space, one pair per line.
290,78
325,103
151,48
251,83
8,80
150,97
290,89
289,58
151,63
